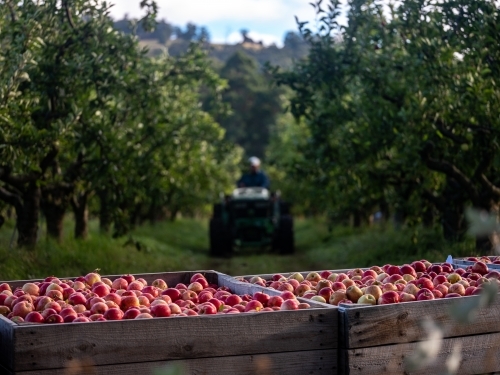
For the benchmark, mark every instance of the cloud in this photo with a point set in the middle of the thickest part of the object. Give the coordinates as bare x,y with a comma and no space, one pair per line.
204,12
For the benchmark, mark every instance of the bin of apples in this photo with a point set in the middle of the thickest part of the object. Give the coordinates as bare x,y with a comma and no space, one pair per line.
418,281
92,298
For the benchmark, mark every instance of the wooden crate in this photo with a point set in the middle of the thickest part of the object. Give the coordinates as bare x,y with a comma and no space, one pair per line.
464,263
377,339
282,342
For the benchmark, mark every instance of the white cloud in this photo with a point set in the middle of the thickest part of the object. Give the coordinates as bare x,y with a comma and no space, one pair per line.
207,11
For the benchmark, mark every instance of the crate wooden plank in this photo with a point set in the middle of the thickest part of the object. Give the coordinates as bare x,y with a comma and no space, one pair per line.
480,355
463,263
292,363
6,341
36,347
368,326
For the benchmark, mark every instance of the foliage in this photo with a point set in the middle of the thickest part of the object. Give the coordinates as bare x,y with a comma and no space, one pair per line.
401,108
84,113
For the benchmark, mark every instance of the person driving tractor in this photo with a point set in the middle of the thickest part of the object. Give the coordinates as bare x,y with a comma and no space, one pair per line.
255,177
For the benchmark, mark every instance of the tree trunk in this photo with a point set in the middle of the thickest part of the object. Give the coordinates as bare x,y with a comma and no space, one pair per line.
53,206
356,222
27,216
81,213
152,212
104,212
452,214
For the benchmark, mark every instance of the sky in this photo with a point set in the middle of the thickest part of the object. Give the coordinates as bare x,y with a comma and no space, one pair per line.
266,20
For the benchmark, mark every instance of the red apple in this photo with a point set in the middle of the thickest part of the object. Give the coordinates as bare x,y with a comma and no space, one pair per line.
275,301
128,302
173,293
425,283
207,309
388,298
34,317
54,319
254,305
31,288
290,304
424,294
480,268
287,295
161,310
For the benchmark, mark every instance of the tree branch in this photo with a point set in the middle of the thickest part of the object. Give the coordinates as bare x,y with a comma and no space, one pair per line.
448,169
449,134
68,15
8,197
489,185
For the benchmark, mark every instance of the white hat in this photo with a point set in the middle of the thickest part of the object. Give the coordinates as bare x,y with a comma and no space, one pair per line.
254,161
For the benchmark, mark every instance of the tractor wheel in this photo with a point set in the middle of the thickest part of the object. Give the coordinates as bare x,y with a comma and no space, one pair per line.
217,211
284,208
284,240
220,241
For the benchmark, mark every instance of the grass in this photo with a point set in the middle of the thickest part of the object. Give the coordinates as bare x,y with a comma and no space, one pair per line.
183,245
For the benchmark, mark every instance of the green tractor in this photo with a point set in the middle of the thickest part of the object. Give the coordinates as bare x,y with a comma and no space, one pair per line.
251,217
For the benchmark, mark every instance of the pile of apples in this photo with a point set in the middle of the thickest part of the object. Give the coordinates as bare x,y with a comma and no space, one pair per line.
418,281
92,298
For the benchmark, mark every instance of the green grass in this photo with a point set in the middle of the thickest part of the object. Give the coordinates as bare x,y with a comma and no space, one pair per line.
183,246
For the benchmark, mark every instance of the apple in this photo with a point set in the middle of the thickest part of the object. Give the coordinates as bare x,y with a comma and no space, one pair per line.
195,287
381,276
294,283
348,283
424,294
326,293
457,288
388,298
254,305
296,276
144,316
439,279
367,299
309,294
275,301
371,273
34,317
301,306
318,299
453,278
337,296
54,319
302,289
10,300
286,287
341,277
287,295
374,290
4,310
101,290
190,295
207,309
419,266
406,297
393,270
173,293
437,293
338,285
48,312
408,277
389,287
442,288
377,269
257,279
324,274
129,301
480,268
290,304
353,293
425,283
313,276
81,319
92,278
161,310
5,286
465,283
31,288
17,319
233,299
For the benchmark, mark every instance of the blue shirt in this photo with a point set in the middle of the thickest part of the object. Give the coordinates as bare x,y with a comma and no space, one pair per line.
257,179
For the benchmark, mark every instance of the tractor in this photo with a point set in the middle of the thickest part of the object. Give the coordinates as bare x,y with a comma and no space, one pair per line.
251,217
